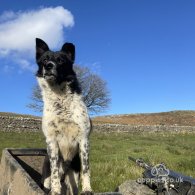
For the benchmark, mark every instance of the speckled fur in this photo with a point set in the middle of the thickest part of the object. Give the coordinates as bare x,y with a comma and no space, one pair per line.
66,126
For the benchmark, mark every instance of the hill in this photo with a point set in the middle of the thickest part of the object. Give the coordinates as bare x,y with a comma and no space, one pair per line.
10,114
180,118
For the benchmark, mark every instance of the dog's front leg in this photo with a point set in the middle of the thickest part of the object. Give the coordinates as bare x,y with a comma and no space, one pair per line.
85,173
46,174
53,153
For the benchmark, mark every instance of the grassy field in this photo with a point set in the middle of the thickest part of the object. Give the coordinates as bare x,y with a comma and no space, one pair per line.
109,154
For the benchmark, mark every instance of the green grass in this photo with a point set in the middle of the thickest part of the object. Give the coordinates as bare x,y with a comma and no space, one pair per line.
109,154
21,140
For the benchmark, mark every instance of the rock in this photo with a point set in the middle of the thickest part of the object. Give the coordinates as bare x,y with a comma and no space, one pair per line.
131,187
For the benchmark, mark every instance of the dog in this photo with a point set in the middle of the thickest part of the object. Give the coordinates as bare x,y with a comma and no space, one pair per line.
65,123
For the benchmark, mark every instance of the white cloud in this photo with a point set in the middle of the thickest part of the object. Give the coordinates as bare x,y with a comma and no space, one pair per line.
25,64
7,15
8,69
18,31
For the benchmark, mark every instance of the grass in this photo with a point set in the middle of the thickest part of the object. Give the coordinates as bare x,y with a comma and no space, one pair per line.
21,140
109,154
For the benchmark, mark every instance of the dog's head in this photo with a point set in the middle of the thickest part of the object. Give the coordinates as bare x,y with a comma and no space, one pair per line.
55,67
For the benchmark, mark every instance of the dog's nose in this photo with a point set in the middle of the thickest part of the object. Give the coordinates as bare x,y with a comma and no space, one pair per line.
49,66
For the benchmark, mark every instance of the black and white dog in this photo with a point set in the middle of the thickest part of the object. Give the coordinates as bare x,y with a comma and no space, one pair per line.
66,124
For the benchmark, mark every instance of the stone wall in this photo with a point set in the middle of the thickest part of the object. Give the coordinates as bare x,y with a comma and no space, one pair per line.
142,128
20,124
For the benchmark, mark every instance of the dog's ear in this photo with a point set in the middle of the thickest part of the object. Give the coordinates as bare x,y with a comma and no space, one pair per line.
41,47
69,50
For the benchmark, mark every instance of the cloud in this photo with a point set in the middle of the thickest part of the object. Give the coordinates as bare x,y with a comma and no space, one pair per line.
18,31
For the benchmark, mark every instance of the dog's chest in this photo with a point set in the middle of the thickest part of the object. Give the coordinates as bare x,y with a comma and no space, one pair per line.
64,116
63,121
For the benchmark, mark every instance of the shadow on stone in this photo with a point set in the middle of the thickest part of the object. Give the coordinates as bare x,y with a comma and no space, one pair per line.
29,168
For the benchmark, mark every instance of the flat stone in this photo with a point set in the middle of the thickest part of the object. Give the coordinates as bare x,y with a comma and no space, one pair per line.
131,187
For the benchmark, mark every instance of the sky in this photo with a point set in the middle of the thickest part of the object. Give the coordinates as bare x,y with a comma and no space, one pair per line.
144,50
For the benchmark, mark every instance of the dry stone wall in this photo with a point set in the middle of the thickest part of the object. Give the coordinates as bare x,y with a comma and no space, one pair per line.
21,124
142,128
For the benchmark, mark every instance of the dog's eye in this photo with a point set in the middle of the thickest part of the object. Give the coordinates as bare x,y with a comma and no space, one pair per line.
45,61
60,60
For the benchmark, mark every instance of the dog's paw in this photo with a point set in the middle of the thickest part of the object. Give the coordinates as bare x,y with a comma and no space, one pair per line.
86,193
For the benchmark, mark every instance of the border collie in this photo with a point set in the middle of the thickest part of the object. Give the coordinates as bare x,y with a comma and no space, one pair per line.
66,124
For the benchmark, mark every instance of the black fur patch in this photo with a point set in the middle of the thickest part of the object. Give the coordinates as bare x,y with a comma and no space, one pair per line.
63,61
76,163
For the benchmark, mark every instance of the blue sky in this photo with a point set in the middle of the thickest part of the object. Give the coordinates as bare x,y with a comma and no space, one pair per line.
145,50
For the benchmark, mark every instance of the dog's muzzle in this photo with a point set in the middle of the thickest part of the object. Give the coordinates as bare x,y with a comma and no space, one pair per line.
49,65
49,72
